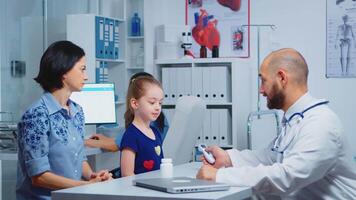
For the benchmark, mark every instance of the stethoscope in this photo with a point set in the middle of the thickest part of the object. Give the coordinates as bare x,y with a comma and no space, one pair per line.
276,147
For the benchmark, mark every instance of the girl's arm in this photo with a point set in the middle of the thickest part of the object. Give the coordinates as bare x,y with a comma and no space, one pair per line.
127,162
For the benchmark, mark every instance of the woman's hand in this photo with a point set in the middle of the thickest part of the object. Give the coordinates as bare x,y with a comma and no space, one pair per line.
104,175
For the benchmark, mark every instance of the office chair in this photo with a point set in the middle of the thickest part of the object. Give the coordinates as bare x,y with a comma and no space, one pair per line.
184,129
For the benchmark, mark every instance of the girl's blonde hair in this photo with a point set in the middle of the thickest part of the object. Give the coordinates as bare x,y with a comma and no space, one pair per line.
137,88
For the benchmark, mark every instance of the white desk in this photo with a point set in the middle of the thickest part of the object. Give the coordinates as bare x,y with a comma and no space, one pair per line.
123,189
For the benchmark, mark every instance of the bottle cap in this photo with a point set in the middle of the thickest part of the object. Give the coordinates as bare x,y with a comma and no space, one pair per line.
166,160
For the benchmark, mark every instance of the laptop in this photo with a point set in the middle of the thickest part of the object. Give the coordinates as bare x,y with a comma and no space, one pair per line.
178,185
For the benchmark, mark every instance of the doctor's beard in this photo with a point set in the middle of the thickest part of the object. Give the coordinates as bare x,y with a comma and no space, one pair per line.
276,99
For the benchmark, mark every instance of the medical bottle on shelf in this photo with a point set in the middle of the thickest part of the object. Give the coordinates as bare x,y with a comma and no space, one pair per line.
215,51
203,52
166,168
135,25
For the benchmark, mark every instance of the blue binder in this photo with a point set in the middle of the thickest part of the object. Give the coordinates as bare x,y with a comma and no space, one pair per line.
106,37
101,72
116,40
105,73
97,71
111,39
99,37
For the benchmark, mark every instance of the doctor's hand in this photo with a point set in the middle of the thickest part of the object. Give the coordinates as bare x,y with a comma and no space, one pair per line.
222,158
207,172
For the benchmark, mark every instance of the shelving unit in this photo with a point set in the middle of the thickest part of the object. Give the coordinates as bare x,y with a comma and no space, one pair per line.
108,51
227,124
119,70
135,44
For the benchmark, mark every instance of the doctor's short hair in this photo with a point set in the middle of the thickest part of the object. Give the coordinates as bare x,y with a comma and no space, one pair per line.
59,58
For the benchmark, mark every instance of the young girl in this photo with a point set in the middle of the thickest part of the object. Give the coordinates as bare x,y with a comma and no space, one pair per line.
141,145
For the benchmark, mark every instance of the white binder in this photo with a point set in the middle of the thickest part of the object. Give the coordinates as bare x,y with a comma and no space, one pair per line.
215,79
173,84
206,84
222,75
197,83
224,127
187,75
166,84
180,86
206,128
215,123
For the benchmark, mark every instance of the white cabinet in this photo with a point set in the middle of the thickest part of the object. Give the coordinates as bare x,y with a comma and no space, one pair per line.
222,83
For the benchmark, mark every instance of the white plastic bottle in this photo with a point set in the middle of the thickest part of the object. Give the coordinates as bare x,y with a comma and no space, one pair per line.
166,168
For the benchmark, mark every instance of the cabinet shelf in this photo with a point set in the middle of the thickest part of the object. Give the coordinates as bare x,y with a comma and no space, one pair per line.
120,102
135,68
209,105
195,61
111,60
135,37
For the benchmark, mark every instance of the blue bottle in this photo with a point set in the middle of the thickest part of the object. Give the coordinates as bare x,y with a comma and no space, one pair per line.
135,25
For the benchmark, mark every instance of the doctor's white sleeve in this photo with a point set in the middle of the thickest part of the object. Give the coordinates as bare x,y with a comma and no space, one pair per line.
251,157
313,153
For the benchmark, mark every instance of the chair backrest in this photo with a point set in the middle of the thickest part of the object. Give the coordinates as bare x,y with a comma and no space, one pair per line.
184,129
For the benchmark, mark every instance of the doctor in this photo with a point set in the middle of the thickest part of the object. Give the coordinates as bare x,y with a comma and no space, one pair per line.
310,159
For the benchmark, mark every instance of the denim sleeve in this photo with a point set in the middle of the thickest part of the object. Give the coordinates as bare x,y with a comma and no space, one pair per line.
33,140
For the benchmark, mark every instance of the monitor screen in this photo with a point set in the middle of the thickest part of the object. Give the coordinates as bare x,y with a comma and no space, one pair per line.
98,102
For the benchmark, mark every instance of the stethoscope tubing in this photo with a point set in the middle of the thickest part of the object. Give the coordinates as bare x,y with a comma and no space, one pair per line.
301,115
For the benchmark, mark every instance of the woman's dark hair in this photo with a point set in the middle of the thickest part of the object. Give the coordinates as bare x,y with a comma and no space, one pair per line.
57,60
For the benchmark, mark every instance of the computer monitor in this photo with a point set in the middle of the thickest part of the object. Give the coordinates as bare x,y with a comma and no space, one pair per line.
98,102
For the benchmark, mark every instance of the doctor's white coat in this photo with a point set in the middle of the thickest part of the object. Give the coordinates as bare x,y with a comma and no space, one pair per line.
317,163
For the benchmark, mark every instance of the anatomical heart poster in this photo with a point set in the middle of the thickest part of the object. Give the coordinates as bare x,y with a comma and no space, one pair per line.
341,39
221,24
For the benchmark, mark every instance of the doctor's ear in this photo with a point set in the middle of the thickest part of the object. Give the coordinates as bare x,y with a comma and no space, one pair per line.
282,76
133,103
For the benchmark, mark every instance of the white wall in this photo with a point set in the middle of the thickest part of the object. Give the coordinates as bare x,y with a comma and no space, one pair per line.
300,25
12,44
159,12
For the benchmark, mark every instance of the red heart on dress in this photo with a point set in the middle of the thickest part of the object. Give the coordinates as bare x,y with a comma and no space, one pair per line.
148,164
